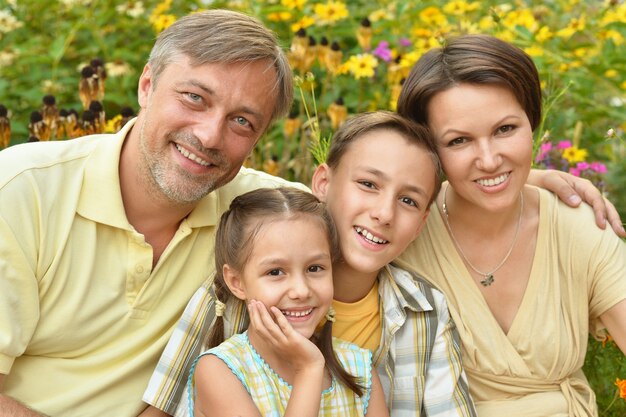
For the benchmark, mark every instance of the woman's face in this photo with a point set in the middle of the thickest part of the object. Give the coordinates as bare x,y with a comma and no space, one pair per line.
484,139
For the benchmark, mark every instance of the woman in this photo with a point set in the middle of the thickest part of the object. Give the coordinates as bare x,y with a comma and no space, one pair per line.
526,277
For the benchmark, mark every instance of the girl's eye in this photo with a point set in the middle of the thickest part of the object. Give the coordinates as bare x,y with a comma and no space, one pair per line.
274,272
315,268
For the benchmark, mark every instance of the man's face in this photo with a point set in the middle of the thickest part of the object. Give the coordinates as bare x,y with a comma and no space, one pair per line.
199,123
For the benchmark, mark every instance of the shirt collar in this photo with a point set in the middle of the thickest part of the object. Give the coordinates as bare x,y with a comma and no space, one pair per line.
399,290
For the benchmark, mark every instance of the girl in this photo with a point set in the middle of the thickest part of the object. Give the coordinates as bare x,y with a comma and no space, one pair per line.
274,252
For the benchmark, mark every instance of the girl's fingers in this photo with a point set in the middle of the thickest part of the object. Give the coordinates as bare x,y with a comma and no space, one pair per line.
280,319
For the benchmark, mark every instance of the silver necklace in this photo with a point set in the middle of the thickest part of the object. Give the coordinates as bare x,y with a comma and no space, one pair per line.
488,276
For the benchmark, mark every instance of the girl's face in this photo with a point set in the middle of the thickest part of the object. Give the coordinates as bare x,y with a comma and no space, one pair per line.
289,267
485,143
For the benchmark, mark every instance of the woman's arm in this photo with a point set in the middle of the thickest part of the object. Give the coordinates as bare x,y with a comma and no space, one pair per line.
615,321
572,190
377,406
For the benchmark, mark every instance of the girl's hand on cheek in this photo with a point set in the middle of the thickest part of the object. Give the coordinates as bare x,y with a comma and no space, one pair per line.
276,331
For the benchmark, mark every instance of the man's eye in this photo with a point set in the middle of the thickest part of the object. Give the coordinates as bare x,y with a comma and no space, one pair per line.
194,97
242,121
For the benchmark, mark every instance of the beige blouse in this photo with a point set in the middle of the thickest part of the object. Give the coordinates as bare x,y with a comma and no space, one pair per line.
578,272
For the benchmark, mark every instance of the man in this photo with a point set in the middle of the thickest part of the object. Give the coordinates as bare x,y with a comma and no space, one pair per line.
104,239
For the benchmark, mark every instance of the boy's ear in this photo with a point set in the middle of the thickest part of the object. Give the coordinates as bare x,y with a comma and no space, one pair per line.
233,280
320,181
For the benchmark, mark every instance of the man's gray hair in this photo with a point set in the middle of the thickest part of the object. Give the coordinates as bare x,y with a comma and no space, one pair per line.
224,36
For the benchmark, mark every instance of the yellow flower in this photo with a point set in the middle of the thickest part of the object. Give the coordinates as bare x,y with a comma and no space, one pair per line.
523,18
113,125
611,73
279,16
486,23
623,85
575,25
162,22
408,60
380,14
574,154
337,113
534,50
543,34
621,384
303,23
432,16
611,34
293,4
459,7
330,12
291,126
159,10
362,65
617,13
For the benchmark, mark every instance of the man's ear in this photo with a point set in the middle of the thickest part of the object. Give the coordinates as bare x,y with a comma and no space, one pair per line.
233,280
145,86
320,181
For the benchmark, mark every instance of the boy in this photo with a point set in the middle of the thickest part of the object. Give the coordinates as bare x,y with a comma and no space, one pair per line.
380,177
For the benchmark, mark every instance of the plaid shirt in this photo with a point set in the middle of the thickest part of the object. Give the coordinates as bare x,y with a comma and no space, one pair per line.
418,360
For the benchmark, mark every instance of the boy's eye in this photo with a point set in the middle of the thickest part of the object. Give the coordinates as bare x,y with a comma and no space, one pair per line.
409,201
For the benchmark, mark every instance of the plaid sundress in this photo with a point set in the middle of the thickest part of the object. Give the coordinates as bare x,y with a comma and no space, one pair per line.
271,393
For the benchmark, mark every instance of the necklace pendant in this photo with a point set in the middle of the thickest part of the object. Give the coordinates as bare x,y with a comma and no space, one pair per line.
487,281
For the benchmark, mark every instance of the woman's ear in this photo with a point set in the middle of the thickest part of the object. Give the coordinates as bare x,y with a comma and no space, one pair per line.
233,280
320,181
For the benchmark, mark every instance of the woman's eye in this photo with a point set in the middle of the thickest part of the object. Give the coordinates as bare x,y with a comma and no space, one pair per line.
457,141
506,129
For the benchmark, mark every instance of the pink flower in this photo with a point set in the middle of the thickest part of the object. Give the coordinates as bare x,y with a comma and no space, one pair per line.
583,166
382,51
404,42
564,144
574,171
544,148
599,167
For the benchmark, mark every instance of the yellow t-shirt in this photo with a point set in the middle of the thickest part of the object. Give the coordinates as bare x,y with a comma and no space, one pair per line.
359,322
83,314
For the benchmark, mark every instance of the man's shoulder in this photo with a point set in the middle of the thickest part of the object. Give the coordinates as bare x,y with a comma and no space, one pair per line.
251,179
46,156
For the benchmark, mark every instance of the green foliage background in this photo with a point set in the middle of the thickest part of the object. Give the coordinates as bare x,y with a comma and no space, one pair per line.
579,48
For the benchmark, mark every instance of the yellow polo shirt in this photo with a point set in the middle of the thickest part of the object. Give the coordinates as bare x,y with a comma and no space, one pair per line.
83,315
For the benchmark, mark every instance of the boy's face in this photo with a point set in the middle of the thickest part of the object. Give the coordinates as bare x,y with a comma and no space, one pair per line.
378,196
